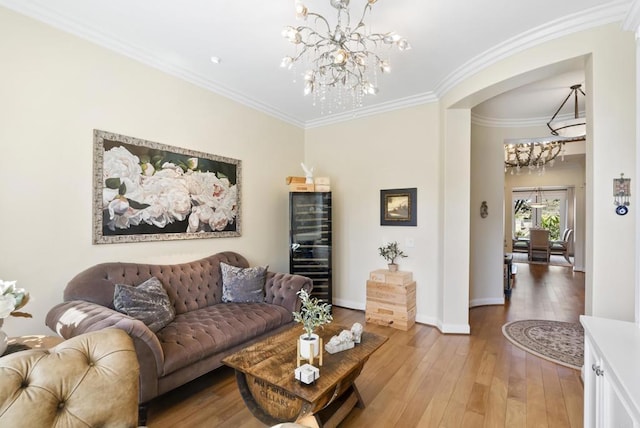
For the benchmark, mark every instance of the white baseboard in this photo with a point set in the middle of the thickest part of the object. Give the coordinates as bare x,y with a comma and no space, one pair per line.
486,302
444,328
349,304
428,321
455,329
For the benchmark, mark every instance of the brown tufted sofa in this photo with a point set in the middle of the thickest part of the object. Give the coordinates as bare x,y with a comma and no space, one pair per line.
205,329
88,381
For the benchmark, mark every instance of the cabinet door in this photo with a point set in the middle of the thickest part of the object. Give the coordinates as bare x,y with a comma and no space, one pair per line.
592,387
603,406
615,413
311,240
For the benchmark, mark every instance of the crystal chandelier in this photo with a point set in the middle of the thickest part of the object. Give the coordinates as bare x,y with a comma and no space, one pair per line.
531,155
338,60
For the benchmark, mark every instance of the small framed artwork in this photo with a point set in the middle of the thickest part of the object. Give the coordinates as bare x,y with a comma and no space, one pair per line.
398,207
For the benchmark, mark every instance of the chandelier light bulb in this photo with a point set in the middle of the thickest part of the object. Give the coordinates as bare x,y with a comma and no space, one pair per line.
391,37
301,10
308,87
340,57
369,89
287,62
404,45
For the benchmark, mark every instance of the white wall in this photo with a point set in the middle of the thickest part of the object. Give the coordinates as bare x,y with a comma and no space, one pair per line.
388,151
610,239
55,89
487,184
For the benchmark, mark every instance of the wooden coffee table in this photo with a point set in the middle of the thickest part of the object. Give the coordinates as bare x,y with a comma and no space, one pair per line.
265,376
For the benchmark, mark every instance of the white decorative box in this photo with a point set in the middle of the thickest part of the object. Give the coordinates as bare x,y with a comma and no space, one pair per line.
307,373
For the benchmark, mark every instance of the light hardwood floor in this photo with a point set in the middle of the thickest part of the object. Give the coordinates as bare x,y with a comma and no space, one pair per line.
422,378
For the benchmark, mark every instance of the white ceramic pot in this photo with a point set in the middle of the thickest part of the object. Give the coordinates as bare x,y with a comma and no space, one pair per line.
393,267
306,345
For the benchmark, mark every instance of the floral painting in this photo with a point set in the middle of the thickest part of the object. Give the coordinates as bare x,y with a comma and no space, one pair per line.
146,191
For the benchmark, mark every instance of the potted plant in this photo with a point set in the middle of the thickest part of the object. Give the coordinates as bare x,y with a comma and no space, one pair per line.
390,252
313,314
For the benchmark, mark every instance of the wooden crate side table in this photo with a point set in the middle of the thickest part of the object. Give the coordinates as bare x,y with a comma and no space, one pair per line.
391,299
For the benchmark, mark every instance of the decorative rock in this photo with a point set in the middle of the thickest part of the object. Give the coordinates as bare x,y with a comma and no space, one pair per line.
345,340
356,330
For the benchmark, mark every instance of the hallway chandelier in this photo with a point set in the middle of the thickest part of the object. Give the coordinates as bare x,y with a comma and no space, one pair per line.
532,155
572,128
338,61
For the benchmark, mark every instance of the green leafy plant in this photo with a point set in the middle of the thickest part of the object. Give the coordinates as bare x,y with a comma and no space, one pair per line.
551,222
313,313
391,251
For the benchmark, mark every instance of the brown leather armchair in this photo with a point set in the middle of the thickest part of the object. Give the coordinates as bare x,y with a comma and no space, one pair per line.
90,380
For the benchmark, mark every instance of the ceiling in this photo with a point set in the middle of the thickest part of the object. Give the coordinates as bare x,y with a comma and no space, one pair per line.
450,41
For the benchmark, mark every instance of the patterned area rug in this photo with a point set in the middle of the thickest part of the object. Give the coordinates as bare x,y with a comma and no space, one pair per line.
557,341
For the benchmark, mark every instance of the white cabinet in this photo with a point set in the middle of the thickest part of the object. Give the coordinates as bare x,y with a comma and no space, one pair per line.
611,373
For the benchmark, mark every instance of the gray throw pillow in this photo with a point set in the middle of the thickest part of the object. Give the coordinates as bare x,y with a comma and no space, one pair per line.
147,302
243,285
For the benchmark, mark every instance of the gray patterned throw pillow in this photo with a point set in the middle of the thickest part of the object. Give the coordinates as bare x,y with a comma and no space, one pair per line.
243,285
147,302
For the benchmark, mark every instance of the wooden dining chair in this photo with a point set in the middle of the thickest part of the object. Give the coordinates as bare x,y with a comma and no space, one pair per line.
561,247
539,243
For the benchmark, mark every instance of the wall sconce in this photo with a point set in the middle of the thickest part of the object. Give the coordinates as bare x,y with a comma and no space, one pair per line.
621,194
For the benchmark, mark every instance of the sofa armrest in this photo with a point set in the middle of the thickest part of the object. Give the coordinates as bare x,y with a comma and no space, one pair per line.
76,317
282,288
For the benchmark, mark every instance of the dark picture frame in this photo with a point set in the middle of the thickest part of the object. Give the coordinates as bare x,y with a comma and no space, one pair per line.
148,191
398,207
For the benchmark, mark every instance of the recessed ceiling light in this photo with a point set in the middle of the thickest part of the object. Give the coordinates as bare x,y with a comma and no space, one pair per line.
215,59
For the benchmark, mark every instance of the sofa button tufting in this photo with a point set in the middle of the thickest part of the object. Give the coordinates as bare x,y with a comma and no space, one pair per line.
61,405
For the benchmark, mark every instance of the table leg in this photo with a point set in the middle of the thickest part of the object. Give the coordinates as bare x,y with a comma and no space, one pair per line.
337,411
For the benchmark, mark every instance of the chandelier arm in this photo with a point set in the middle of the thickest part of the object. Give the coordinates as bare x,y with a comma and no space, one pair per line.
310,32
336,77
361,23
322,18
561,105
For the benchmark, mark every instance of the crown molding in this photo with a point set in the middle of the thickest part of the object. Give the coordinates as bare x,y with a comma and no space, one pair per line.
493,122
610,12
632,20
600,15
139,54
413,100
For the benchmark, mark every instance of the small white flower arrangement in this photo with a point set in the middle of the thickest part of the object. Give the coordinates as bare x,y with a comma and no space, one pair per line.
12,299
